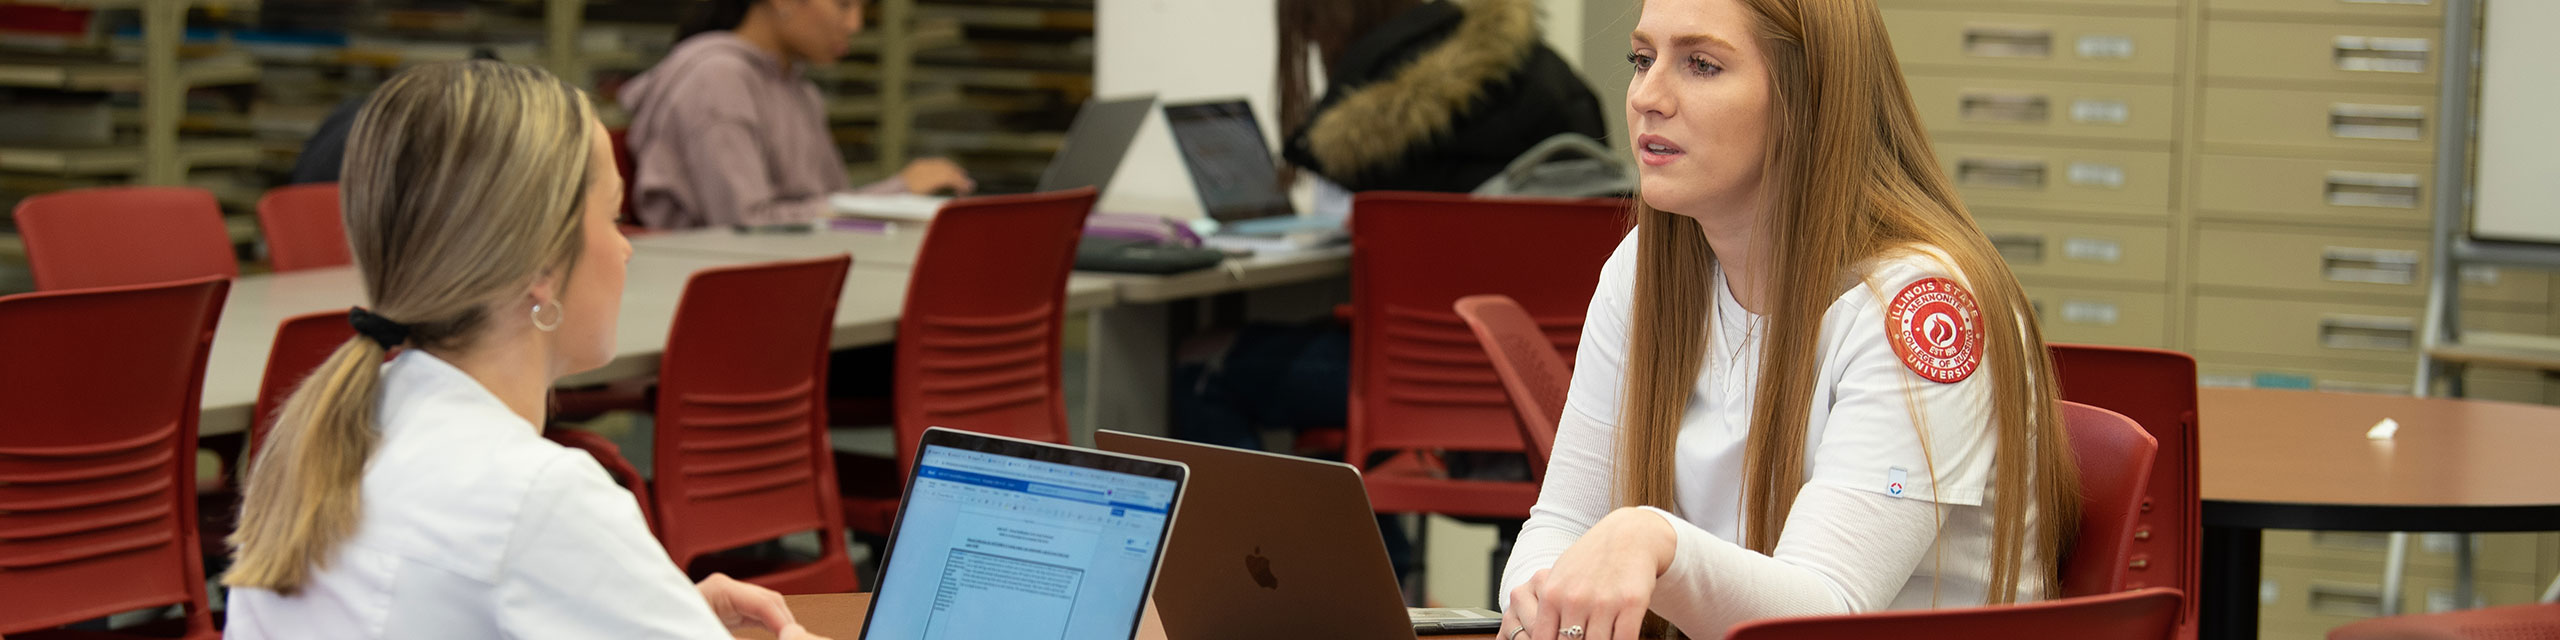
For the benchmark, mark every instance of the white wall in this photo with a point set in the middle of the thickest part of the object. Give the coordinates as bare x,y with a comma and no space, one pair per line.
1186,50
1181,50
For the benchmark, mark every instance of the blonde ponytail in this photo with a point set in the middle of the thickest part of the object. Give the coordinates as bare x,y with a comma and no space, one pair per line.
314,459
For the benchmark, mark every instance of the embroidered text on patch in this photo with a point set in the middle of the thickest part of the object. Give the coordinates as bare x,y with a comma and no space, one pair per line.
1936,329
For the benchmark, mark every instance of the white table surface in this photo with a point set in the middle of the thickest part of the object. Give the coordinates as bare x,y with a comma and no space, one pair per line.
866,314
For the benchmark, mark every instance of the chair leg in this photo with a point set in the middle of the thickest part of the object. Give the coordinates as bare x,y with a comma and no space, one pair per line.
2465,581
2395,568
1504,537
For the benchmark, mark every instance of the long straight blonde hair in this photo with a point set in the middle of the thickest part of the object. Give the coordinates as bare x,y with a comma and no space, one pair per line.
463,182
1851,178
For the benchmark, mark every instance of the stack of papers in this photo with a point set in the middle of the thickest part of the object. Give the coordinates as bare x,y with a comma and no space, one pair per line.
894,206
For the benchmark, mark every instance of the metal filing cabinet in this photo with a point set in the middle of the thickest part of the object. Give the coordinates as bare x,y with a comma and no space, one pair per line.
2246,180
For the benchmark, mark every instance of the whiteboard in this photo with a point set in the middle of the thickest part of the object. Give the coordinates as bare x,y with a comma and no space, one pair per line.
2516,193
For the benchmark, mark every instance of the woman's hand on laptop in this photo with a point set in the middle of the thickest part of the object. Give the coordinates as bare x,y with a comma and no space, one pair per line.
929,176
741,605
1600,588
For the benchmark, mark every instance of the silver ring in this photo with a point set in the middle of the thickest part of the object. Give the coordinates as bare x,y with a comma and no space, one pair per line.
1571,633
1515,633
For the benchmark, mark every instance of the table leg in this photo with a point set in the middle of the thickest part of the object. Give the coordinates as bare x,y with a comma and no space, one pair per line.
1130,371
2228,608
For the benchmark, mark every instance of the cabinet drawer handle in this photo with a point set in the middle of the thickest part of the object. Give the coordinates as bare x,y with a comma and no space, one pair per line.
2369,266
2385,55
2368,333
2000,173
2359,600
2377,121
2090,312
2008,42
2019,249
2020,108
2361,189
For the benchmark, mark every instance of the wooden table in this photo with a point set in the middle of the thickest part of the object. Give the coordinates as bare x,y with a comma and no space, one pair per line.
866,314
2300,460
839,616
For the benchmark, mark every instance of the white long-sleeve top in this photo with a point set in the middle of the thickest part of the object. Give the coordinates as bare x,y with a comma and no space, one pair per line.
1886,518
474,526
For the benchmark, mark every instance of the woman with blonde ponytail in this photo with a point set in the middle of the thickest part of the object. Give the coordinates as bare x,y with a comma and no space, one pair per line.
417,498
1807,384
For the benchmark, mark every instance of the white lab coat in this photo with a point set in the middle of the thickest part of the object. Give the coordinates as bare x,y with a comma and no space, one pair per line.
474,526
1862,535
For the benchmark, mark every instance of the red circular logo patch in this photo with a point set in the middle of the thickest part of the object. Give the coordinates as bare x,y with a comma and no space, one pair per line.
1936,329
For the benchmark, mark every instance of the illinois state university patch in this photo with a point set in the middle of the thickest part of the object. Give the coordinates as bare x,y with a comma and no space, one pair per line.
1936,329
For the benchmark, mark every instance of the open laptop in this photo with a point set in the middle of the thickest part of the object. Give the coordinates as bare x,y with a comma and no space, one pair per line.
1231,168
1279,547
1097,141
1005,538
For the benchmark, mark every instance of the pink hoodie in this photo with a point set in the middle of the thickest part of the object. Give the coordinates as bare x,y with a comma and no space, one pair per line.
723,133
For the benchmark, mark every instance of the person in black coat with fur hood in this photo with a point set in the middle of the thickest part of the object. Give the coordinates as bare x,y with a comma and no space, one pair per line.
1423,96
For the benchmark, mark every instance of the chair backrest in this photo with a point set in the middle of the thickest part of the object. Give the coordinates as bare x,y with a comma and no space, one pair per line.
741,450
98,404
2148,614
1533,372
2115,467
623,160
2157,389
978,341
111,236
302,344
1418,378
304,227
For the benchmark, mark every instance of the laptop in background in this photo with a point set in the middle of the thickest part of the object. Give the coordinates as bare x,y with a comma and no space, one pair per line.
1221,142
1004,538
1096,143
1279,547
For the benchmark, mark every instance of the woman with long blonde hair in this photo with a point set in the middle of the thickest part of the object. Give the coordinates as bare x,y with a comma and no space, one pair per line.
1807,384
417,498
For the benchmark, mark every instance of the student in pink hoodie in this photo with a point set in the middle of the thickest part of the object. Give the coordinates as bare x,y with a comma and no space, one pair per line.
725,131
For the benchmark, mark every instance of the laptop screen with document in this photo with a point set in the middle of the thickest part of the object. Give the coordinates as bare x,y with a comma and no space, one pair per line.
1014,541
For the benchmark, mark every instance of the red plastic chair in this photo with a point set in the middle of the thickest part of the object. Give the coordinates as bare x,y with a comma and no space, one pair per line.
620,139
1420,383
979,339
304,229
741,452
2520,622
2148,614
2157,389
97,452
111,236
2114,457
302,344
1533,373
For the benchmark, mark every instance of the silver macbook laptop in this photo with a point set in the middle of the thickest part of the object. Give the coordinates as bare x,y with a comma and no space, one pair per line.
1280,547
1005,538
1096,143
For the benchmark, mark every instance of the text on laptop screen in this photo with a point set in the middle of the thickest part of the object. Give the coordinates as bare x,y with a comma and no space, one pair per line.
1222,145
995,546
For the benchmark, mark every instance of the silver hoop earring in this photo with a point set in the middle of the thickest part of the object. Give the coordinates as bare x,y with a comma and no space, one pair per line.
556,314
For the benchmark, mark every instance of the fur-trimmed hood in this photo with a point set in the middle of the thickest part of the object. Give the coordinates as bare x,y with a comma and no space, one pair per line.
1376,126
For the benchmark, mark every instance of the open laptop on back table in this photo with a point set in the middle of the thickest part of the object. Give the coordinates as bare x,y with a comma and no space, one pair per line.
1005,538
1231,168
1096,143
1282,548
